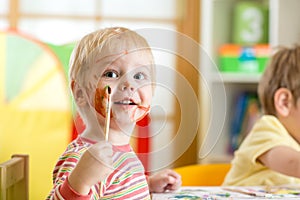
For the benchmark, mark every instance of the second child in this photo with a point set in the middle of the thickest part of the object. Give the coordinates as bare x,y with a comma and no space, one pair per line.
270,154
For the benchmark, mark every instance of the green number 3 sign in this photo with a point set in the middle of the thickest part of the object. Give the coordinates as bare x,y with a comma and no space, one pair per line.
250,24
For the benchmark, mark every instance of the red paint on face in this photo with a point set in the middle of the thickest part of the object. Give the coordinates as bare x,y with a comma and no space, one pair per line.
100,101
139,113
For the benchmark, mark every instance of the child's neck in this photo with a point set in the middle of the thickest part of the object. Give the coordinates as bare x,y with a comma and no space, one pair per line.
116,137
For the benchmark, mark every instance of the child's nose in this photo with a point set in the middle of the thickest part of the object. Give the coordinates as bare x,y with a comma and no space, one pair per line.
126,85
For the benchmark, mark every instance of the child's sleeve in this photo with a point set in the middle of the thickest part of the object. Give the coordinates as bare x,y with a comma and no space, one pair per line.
61,188
68,193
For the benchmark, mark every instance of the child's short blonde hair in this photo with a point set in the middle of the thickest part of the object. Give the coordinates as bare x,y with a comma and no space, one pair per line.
108,41
282,72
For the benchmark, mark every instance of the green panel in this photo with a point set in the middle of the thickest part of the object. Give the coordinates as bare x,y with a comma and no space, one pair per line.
63,52
21,54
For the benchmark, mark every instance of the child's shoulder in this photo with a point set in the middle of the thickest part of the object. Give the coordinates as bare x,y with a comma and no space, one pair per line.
78,144
269,120
267,127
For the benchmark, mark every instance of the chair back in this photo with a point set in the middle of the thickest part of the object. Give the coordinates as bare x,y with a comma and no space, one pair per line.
203,174
14,182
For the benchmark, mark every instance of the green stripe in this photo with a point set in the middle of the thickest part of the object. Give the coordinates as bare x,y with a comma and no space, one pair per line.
132,189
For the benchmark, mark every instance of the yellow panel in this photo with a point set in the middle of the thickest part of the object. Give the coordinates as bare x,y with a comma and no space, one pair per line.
43,135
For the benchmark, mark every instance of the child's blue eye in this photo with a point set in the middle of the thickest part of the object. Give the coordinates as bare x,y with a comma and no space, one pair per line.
111,74
139,76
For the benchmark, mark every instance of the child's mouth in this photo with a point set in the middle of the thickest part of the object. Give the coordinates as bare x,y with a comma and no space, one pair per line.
125,102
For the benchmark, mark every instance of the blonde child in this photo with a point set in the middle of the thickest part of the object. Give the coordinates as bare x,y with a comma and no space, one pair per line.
270,154
91,167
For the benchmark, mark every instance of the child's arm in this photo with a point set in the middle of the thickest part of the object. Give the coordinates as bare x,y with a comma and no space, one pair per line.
74,171
94,166
282,159
164,180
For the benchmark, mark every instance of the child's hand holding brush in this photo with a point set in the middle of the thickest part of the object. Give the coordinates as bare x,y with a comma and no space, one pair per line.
96,163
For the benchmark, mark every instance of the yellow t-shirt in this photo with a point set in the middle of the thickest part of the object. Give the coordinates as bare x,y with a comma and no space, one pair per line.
267,133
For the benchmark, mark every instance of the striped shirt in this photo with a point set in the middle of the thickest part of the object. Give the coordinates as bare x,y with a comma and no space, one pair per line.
127,181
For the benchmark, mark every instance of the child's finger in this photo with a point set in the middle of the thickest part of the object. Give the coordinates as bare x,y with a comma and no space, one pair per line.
174,180
174,183
173,176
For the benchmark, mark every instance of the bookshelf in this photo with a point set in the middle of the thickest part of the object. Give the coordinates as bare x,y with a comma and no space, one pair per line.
219,90
232,77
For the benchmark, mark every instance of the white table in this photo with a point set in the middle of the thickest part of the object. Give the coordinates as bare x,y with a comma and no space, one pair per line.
212,193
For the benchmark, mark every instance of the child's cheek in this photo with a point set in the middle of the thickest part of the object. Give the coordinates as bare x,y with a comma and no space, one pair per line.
100,102
139,113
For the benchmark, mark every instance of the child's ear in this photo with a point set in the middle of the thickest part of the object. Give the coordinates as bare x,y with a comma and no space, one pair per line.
78,94
283,101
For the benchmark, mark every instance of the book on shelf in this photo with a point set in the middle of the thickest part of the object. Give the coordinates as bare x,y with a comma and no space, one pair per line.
247,111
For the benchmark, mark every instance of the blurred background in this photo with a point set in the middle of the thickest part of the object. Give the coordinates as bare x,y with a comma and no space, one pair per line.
210,55
36,111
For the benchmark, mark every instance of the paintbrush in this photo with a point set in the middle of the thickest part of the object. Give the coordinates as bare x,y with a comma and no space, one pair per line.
107,110
107,123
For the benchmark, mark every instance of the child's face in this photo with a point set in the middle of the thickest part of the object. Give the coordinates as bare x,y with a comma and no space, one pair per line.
129,75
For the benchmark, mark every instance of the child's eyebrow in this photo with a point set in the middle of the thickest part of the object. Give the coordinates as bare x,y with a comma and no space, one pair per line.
104,61
107,57
144,66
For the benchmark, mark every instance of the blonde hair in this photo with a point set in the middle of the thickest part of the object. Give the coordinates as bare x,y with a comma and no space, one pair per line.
108,41
282,72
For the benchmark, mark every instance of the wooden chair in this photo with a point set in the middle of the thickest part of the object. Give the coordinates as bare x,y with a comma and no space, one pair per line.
203,174
14,178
